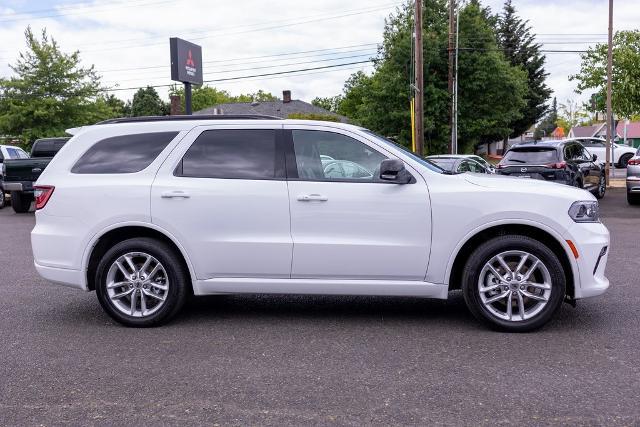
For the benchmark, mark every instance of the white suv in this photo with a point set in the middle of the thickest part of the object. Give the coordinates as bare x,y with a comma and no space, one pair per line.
146,211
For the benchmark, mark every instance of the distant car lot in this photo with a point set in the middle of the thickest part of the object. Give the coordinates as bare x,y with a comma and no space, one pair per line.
316,360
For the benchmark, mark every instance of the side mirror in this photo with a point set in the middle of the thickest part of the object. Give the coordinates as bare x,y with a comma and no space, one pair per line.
594,157
393,170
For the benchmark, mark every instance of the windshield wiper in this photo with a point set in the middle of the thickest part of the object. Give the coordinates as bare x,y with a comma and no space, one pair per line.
517,160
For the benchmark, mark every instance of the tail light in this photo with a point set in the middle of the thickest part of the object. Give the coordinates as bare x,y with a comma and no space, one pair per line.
500,166
634,162
559,165
42,194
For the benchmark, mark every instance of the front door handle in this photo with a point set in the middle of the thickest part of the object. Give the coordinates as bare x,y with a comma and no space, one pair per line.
312,198
175,195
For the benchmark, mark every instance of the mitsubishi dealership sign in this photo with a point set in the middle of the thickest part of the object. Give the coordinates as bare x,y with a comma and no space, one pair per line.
186,61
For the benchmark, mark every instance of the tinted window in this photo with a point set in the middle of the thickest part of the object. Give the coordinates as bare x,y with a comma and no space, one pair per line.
47,147
232,153
124,153
324,155
532,155
444,163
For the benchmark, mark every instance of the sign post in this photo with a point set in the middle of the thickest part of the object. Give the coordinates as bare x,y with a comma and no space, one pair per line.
186,66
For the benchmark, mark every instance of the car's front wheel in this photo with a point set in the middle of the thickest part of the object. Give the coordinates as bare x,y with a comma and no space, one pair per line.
141,282
513,283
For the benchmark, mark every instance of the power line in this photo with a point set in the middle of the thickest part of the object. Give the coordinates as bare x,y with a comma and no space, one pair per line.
263,67
245,77
261,56
122,6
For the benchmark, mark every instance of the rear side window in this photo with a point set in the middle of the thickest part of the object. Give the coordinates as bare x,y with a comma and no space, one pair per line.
231,154
530,155
123,154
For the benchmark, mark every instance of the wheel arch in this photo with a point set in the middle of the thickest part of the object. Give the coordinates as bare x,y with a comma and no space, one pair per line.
535,231
120,232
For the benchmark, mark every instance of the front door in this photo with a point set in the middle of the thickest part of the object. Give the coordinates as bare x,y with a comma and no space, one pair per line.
345,222
222,192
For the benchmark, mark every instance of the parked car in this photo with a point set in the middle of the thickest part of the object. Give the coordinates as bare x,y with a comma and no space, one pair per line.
147,210
633,179
460,163
8,152
488,166
620,153
562,161
21,173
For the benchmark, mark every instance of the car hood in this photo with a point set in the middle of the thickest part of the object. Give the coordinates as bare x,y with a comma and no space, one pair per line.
527,185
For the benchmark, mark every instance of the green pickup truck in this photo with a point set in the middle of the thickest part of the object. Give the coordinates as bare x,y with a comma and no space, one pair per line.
19,175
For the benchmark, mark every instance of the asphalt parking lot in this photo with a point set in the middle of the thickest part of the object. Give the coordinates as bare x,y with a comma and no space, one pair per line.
275,360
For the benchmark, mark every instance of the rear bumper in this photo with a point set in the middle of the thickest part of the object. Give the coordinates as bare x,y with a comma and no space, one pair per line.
17,186
633,184
62,276
590,240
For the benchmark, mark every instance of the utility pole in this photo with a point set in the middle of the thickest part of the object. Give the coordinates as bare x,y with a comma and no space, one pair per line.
454,131
452,5
419,80
609,112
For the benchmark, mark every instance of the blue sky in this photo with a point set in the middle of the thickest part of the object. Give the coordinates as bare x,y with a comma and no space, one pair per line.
128,40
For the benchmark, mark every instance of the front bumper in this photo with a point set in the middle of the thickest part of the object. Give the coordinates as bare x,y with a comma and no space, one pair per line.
590,240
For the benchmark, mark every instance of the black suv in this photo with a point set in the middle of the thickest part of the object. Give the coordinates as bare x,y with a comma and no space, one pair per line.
565,162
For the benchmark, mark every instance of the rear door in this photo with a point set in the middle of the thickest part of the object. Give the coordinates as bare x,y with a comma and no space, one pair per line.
223,194
353,226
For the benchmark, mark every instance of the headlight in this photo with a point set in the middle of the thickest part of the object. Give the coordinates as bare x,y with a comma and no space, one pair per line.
585,211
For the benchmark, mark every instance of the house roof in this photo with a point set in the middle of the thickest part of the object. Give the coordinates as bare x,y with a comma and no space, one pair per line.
270,108
585,131
633,129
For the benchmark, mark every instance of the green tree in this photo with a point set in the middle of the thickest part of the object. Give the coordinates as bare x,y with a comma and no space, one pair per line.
625,99
49,93
206,96
491,91
331,103
521,50
548,124
314,116
571,114
147,102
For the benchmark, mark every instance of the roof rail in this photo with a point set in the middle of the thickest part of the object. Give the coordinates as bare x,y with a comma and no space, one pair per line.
193,117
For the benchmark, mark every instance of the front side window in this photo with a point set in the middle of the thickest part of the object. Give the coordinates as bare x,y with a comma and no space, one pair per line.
123,153
231,154
322,155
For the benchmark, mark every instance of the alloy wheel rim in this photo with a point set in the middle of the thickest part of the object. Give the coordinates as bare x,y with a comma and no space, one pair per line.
514,285
137,284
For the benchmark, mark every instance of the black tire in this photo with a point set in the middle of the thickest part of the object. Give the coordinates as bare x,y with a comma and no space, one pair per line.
177,276
482,254
624,160
633,199
21,202
601,190
3,199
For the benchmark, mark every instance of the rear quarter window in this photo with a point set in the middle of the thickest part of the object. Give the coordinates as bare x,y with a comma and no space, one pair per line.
123,153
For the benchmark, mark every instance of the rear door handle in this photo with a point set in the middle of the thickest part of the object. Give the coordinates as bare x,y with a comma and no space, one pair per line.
312,198
175,195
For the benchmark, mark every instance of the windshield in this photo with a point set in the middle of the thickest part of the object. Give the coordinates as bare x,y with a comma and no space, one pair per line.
531,155
427,163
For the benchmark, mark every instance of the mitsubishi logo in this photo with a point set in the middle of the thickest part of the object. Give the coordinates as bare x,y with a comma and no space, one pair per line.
190,61
523,169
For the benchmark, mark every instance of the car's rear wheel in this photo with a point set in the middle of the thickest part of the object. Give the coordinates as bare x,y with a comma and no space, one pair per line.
513,283
633,199
141,282
602,187
3,199
624,160
21,202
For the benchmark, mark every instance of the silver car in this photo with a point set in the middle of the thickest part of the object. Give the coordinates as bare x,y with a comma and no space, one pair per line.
633,179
